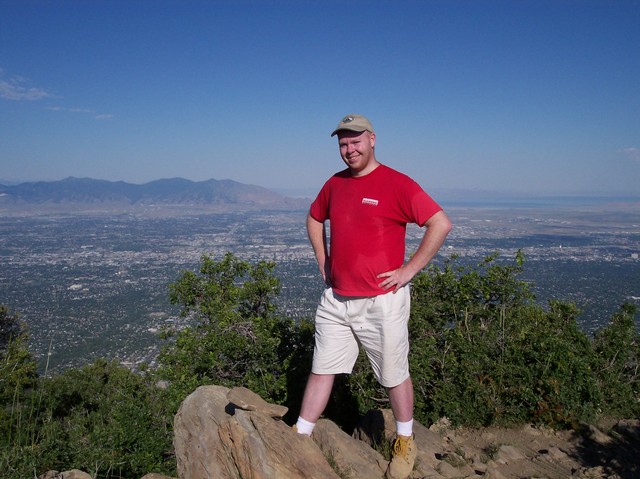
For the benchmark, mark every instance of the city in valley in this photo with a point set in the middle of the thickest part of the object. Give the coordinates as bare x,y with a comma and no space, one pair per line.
92,286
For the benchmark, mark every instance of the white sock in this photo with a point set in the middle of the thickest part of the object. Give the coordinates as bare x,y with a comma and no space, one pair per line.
304,426
404,428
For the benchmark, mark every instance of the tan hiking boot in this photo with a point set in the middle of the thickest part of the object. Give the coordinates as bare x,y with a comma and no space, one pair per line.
403,456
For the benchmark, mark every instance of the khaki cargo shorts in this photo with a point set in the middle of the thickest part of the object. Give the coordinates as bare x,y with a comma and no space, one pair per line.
378,323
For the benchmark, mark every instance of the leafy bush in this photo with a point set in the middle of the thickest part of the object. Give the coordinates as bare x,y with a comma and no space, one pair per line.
102,418
617,363
235,338
17,373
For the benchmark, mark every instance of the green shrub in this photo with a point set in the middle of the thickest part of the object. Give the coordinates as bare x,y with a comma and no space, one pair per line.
17,375
235,337
497,357
102,418
617,363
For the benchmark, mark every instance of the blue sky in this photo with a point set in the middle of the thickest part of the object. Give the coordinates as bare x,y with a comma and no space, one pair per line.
532,97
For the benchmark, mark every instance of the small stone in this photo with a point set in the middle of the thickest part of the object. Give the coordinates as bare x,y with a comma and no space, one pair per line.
447,470
246,399
507,454
556,453
74,474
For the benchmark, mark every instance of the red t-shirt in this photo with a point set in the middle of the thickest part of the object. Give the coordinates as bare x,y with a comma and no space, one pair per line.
368,216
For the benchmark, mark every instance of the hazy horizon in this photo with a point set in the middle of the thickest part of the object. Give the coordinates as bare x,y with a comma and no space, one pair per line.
456,195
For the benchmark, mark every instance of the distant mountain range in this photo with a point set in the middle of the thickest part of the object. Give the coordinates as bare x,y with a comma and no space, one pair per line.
175,194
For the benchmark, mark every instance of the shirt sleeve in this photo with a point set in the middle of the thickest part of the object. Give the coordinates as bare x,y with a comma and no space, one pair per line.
319,209
420,205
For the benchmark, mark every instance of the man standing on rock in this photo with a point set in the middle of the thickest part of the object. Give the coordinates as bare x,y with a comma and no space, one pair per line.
368,206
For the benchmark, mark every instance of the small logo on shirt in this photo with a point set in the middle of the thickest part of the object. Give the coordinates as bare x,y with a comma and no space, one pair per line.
369,201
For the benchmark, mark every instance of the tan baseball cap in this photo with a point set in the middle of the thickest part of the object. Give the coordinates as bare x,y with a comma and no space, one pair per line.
353,123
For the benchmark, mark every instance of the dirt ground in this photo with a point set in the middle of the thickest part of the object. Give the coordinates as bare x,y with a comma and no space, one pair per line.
611,450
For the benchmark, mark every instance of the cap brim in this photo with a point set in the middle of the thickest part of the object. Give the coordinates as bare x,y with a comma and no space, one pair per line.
358,130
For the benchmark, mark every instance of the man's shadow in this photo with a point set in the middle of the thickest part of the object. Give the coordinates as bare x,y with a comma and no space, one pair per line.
619,456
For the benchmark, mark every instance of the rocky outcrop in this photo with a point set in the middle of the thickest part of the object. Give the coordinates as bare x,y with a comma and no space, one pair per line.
233,434
216,439
222,433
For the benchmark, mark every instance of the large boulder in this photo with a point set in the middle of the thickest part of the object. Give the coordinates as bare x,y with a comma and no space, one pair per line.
214,439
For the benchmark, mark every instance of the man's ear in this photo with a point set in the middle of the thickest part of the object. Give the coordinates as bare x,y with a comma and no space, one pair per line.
372,138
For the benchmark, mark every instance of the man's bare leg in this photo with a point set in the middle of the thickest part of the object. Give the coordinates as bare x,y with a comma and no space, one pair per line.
401,398
316,397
